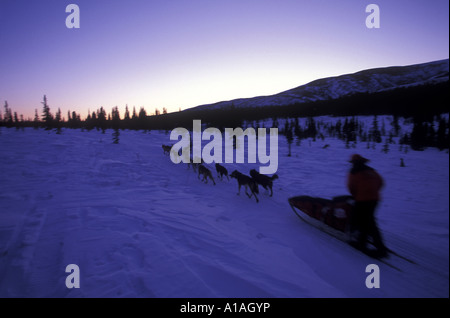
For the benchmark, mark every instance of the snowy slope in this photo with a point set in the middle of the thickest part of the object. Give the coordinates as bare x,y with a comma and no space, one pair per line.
368,81
139,226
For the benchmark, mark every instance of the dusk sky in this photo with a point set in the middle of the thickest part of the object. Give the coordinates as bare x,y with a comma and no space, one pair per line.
184,53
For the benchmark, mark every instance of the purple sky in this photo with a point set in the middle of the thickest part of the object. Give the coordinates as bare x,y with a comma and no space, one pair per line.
184,53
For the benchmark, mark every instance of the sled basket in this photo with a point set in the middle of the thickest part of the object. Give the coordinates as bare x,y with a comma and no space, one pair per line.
335,213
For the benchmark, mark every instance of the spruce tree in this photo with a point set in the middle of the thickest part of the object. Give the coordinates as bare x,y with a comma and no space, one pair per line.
418,135
101,119
16,121
127,113
36,119
311,128
127,118
298,132
396,125
116,124
58,123
47,116
289,136
275,123
88,123
8,118
142,119
94,120
375,132
441,135
339,129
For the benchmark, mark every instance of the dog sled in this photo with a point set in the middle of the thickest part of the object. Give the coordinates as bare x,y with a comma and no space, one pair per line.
329,215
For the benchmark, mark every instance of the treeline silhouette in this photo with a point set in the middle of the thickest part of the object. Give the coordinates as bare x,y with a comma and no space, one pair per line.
353,130
424,102
420,103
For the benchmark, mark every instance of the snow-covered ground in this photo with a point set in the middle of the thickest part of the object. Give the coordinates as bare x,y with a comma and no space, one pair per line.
138,225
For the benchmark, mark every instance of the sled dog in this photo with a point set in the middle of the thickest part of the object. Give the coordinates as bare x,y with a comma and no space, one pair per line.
166,149
247,182
221,171
265,181
206,173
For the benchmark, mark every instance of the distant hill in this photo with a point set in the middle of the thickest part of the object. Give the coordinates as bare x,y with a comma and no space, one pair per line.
332,88
420,91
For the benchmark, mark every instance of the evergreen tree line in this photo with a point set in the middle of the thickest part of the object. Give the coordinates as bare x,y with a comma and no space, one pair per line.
421,104
435,133
99,119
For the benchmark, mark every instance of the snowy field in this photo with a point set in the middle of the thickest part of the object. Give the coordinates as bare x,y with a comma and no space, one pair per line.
138,225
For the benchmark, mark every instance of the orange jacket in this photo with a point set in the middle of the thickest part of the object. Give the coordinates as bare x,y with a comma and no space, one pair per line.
365,184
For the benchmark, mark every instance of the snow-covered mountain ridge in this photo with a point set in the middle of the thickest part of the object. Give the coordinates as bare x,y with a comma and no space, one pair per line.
367,81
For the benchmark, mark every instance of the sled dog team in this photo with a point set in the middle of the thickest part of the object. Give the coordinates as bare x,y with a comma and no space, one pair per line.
363,182
250,183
